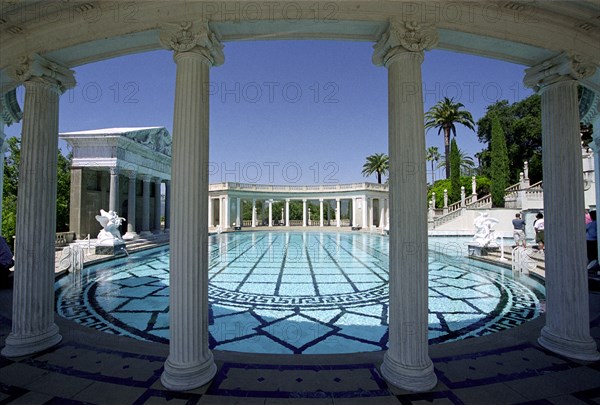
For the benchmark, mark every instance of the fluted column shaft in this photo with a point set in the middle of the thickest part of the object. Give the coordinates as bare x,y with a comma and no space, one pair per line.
190,363
406,363
145,204
567,330
131,234
113,192
287,212
33,328
168,205
304,213
253,213
238,213
321,212
338,212
157,205
226,207
365,210
210,212
270,202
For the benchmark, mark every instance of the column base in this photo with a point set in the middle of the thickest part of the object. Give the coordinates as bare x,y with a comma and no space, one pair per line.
130,236
157,232
145,234
17,346
184,377
408,378
580,350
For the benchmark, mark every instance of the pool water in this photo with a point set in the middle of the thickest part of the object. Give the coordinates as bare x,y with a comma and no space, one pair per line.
294,292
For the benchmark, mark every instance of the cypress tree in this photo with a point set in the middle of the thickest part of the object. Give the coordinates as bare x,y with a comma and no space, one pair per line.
454,192
498,163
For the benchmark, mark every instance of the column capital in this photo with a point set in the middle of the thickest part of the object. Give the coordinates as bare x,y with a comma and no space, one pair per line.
401,37
146,178
157,179
36,68
193,37
566,66
114,171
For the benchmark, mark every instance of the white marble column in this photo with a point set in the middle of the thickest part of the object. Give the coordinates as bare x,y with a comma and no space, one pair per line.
131,233
354,199
190,363
211,220
113,191
371,204
145,205
226,211
270,213
406,363
365,211
221,212
567,330
157,203
254,213
168,205
287,212
303,212
238,213
321,212
338,212
33,328
381,213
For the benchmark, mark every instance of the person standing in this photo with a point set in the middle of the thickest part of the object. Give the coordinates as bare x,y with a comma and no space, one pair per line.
538,226
519,230
591,235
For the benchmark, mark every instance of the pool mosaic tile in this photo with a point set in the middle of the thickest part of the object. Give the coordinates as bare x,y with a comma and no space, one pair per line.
292,292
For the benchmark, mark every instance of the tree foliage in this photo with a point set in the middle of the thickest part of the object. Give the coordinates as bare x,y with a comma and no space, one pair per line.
11,186
378,163
444,115
454,172
483,188
522,126
433,155
499,163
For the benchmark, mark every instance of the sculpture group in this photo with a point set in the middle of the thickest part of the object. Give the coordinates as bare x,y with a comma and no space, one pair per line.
485,235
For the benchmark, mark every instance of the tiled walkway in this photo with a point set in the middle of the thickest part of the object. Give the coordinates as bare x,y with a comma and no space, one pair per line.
96,368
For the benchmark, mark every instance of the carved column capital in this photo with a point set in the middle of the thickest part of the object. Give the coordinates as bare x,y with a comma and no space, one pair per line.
114,171
566,66
146,178
130,173
404,36
193,37
39,69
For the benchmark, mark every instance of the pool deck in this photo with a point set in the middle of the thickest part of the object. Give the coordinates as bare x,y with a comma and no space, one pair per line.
90,367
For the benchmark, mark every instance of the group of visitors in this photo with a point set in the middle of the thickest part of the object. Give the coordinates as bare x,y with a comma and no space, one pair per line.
519,231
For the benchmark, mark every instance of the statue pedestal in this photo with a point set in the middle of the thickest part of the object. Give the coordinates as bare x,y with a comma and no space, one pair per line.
113,247
477,250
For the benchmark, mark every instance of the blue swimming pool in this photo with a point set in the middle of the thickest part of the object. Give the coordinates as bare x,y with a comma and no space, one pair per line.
299,292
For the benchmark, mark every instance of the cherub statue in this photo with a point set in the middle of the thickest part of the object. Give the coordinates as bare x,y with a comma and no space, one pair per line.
484,232
110,222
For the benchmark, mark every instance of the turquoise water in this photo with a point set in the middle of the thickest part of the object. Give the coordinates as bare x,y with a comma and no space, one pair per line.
294,292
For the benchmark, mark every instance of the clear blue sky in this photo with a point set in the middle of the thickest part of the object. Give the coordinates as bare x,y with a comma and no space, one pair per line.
285,112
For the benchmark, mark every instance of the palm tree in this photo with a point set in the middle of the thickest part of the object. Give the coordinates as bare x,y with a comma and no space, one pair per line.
433,155
444,115
378,163
467,164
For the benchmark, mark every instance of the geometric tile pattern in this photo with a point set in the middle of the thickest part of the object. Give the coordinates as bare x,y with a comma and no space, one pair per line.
293,292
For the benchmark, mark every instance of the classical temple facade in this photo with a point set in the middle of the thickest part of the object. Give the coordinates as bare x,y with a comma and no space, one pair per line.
557,42
120,169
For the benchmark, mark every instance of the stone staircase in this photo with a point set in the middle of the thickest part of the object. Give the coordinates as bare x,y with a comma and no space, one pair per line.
89,249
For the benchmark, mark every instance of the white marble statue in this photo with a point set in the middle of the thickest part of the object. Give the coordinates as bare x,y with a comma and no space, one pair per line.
110,222
484,230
